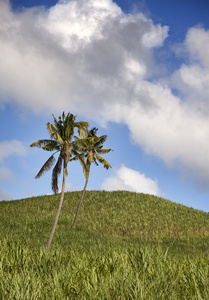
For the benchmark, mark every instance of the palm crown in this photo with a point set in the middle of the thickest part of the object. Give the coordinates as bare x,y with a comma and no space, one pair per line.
91,147
62,141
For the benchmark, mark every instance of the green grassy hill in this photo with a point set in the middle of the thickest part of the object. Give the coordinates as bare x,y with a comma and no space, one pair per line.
120,214
125,246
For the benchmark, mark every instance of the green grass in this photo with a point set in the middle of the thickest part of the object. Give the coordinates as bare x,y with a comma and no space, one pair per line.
125,246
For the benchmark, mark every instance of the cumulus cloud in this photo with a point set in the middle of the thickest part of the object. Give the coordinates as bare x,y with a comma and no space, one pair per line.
131,180
75,52
197,43
71,188
98,61
192,78
169,129
191,82
13,147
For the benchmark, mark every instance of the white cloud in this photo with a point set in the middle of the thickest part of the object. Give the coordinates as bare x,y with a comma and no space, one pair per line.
13,147
155,37
197,43
75,52
75,23
70,188
169,129
191,81
131,180
192,78
96,60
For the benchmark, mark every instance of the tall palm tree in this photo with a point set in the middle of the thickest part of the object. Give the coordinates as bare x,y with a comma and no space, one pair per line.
62,141
90,147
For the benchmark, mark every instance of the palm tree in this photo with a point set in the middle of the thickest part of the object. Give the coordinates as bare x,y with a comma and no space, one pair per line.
90,147
62,141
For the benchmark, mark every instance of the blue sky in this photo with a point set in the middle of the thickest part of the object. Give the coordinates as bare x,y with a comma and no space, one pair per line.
137,70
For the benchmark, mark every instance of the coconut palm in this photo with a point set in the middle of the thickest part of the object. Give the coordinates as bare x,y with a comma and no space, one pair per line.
61,141
90,147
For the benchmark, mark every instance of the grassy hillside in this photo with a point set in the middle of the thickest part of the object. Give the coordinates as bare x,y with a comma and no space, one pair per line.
118,214
125,246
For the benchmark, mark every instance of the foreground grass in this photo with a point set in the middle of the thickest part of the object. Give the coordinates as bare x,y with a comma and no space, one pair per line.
125,246
143,273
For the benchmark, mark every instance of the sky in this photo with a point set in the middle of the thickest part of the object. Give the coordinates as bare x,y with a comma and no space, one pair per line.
136,70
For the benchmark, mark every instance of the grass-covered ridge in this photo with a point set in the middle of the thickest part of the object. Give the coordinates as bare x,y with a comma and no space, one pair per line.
125,246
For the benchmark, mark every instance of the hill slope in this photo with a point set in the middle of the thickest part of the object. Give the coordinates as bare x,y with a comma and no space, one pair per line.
117,214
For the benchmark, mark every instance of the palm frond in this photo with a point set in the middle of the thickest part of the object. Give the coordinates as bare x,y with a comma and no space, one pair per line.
83,141
95,161
74,158
75,148
82,124
70,117
76,137
54,134
46,167
60,140
92,132
52,145
100,141
103,151
103,161
40,143
57,123
52,130
82,128
68,130
78,142
82,132
74,152
55,120
63,116
55,174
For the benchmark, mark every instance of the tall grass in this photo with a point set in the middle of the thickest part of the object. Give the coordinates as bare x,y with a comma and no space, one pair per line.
142,273
125,246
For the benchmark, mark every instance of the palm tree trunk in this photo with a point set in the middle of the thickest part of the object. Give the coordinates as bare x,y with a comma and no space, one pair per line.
79,204
59,208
